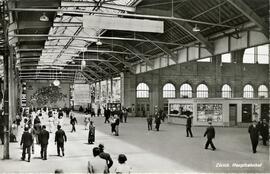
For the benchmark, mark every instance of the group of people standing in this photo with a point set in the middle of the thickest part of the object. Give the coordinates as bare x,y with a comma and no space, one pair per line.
122,114
158,117
27,142
101,162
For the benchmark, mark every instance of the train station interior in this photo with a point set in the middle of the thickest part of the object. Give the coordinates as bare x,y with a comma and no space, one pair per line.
173,59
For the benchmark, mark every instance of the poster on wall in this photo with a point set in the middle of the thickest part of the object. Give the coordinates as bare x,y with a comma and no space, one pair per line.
181,109
209,112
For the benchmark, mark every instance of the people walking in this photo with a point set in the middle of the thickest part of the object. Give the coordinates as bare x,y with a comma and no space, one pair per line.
14,132
117,123
264,131
157,118
120,115
210,132
44,140
37,128
122,167
86,120
91,134
98,112
60,121
125,114
73,121
32,132
26,142
105,156
97,164
51,122
149,122
60,139
18,120
188,126
107,115
112,121
254,135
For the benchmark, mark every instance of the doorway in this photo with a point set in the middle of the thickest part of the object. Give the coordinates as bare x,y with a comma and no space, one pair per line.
246,113
143,109
233,114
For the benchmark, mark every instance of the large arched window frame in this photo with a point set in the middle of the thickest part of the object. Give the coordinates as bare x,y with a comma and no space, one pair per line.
168,90
185,91
142,90
248,91
202,91
226,91
263,91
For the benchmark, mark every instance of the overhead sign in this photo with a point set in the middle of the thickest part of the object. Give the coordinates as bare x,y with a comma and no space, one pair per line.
125,24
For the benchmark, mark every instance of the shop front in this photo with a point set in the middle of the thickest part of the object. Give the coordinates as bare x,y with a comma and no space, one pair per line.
222,112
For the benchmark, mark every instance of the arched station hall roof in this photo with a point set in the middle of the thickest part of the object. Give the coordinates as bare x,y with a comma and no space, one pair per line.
56,46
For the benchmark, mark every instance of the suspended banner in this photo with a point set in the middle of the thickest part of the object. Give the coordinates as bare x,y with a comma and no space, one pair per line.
125,24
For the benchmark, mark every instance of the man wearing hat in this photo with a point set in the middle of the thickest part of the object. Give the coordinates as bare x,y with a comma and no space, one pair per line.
254,135
105,156
210,132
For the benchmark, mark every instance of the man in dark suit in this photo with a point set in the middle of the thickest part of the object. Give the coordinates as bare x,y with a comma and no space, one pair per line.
157,118
44,140
73,121
210,132
107,114
60,138
264,131
105,156
188,125
26,143
254,135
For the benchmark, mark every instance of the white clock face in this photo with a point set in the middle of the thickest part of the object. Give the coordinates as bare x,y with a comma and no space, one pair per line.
56,82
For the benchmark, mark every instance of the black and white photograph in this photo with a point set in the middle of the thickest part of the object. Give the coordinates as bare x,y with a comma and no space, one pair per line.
134,86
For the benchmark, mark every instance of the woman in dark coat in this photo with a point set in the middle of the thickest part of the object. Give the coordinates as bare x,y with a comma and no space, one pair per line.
91,135
254,135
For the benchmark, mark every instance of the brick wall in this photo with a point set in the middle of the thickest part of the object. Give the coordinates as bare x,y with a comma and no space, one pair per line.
213,74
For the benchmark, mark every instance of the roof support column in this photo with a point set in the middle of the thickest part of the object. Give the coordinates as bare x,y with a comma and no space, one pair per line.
237,59
128,91
111,79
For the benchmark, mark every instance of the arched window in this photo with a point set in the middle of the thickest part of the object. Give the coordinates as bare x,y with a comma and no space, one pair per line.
168,91
142,90
226,91
248,91
202,91
186,91
262,91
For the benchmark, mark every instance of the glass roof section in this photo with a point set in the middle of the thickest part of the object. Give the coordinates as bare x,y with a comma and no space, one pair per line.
68,39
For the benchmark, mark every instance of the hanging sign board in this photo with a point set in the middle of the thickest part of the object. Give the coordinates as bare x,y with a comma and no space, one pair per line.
125,24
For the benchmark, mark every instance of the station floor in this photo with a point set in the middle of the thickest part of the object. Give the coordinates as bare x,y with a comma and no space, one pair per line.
166,151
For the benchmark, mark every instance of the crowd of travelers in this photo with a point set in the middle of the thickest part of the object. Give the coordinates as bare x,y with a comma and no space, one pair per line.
39,123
